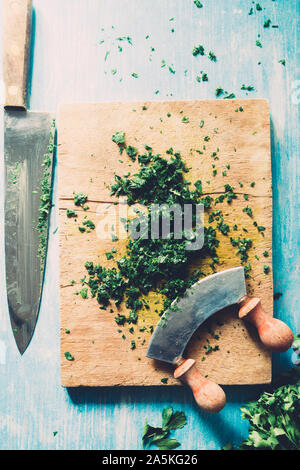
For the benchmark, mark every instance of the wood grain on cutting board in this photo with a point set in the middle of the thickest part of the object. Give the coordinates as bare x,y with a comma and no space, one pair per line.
87,161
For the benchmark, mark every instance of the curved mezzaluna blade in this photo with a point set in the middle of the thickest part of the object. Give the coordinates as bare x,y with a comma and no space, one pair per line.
26,140
202,300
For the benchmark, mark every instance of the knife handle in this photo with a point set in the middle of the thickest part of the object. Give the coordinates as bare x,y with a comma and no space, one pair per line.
208,395
16,16
274,334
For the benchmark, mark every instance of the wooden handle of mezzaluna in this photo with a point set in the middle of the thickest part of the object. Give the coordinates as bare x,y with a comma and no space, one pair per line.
16,18
208,395
274,334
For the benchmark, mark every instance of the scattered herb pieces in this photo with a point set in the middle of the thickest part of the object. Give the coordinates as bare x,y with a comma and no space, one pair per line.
131,152
212,56
119,138
80,199
230,96
70,213
202,77
89,224
84,293
266,269
198,4
198,50
277,295
15,173
46,198
69,356
219,91
247,88
248,211
151,264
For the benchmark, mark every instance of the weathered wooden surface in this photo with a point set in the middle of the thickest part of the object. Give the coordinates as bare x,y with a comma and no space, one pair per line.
87,162
68,66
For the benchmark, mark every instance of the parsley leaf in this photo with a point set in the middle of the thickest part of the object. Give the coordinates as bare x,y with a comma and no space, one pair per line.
274,417
198,4
119,137
159,436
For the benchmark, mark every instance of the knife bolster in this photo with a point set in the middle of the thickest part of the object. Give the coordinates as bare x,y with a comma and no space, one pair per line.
183,366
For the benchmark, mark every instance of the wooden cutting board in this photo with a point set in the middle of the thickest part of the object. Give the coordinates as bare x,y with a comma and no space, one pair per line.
87,159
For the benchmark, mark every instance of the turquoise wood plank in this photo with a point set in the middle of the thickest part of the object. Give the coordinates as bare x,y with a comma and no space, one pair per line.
68,65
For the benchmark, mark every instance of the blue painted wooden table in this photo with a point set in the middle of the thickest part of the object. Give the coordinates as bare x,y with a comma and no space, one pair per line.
68,65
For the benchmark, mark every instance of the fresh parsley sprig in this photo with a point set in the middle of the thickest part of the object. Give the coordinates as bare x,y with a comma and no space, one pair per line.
159,436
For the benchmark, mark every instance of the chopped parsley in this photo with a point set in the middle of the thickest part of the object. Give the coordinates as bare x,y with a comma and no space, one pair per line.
89,224
84,293
266,269
80,199
198,4
248,211
152,264
247,88
219,91
212,56
198,50
131,152
70,213
119,138
230,96
69,356
45,199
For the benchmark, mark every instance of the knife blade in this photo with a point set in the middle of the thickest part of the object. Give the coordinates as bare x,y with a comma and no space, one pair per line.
28,157
26,141
186,314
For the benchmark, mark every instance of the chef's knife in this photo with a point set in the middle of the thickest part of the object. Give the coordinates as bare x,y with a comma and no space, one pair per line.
28,156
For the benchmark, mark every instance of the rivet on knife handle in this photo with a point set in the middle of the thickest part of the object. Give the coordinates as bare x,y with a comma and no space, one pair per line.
274,334
16,19
208,395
